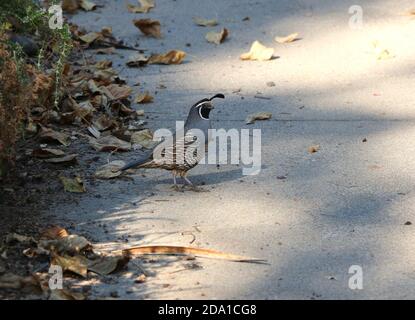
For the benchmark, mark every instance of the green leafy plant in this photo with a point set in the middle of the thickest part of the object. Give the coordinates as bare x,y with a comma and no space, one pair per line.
27,19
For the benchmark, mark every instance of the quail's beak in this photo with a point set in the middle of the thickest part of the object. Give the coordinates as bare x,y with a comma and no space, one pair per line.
210,106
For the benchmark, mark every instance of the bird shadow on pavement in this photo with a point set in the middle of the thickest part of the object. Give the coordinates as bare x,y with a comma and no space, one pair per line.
202,179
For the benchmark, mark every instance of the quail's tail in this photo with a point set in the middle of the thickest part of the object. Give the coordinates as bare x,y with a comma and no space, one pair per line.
134,164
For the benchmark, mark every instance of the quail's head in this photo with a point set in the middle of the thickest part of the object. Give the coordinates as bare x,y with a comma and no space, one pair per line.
203,107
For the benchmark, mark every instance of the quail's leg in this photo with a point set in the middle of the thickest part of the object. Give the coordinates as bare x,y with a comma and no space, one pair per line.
191,185
174,179
188,181
175,186
183,174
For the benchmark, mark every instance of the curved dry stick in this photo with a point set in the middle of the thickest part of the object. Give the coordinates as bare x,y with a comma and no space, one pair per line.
179,250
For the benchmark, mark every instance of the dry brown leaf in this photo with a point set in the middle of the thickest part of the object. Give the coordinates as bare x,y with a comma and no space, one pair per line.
137,60
123,109
107,264
258,116
109,50
110,170
84,110
87,5
91,37
141,278
290,38
145,7
72,244
105,97
94,131
103,64
205,22
217,37
143,138
47,153
313,149
75,185
258,52
179,250
70,5
77,264
106,32
64,294
53,233
104,122
148,27
13,281
411,13
380,52
144,98
66,159
139,113
119,92
97,100
171,57
31,127
50,135
35,252
15,237
109,143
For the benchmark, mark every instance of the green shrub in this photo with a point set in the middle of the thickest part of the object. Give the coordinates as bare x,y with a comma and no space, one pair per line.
24,81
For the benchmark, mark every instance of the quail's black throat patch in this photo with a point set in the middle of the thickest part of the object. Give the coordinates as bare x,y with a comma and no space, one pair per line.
205,111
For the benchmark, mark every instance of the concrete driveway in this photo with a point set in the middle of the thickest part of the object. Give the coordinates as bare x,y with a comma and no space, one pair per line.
311,216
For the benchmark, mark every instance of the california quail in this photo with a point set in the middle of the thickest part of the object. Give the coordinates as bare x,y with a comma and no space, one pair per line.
178,150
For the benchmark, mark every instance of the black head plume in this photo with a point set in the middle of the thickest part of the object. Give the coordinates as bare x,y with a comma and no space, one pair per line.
218,95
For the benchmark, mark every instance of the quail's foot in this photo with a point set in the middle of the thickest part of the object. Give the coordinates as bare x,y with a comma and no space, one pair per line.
175,187
194,188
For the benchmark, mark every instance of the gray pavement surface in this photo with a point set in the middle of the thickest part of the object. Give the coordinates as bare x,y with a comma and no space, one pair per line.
345,205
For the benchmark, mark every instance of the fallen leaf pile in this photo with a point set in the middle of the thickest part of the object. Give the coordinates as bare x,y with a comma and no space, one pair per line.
79,259
73,253
98,99
98,104
102,40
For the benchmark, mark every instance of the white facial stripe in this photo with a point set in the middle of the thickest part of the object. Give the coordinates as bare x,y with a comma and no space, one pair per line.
197,106
200,110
